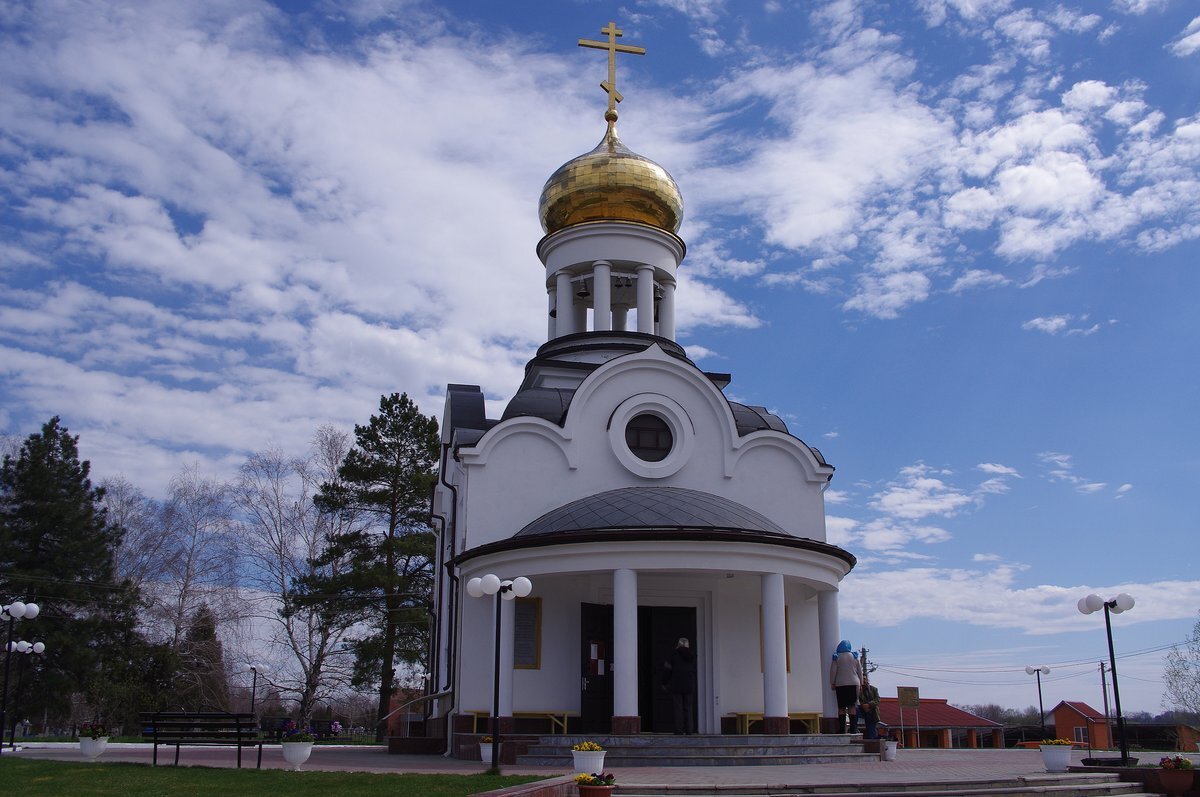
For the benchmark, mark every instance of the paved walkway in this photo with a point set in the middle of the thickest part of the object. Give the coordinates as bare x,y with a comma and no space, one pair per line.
909,766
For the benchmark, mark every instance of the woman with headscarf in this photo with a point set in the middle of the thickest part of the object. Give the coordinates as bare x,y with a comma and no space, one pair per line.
845,677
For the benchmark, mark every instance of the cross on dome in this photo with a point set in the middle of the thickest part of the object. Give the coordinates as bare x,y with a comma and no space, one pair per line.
610,85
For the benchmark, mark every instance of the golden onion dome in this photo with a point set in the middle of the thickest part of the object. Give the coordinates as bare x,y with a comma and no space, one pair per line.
610,183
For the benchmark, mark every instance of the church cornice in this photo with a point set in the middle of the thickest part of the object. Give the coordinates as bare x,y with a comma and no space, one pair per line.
657,534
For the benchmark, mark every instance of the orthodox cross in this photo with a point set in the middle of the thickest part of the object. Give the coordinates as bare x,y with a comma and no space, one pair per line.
610,85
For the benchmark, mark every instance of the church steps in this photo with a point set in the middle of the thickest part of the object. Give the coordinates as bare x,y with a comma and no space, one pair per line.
716,750
1028,786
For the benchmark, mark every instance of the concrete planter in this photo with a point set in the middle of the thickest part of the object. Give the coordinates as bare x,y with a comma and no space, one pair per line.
92,748
589,762
296,753
1056,757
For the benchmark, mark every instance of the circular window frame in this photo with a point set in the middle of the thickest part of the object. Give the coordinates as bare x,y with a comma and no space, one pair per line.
677,420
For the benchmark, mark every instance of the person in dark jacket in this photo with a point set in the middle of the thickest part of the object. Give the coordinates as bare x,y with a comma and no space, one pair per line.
679,679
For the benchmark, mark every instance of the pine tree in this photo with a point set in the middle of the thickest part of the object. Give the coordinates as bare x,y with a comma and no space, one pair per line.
56,549
385,479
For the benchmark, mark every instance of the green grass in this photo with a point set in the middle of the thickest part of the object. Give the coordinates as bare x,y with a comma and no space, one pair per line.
58,778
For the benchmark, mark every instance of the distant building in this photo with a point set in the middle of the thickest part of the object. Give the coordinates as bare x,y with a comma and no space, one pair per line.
936,723
1081,723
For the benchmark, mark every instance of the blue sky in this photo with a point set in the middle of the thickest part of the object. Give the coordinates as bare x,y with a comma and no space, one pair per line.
952,242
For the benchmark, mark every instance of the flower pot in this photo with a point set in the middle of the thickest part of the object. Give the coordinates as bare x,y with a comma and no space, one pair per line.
1056,757
887,749
1175,782
485,752
296,753
595,791
92,748
590,762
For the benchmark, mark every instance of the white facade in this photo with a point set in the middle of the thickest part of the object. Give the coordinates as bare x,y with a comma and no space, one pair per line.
715,529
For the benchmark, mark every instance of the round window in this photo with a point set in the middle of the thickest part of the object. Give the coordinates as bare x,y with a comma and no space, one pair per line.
648,437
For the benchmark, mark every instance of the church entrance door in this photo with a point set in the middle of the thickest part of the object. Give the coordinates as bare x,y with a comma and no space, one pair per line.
659,628
596,636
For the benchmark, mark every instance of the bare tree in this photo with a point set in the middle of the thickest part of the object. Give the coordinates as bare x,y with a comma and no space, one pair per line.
1181,675
143,542
284,533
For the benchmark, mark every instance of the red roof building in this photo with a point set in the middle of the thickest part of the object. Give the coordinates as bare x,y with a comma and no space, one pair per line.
936,723
1081,723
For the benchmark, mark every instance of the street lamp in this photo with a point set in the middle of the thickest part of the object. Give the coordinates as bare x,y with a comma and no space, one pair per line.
27,649
14,611
1038,671
1121,603
255,668
491,584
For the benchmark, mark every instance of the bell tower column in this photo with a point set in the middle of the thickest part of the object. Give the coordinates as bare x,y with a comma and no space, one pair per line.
564,313
645,298
602,291
666,311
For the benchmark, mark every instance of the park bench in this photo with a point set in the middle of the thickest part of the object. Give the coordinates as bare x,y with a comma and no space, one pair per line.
201,728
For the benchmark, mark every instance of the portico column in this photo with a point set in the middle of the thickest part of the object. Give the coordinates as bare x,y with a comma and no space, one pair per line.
830,633
508,616
563,312
666,311
625,676
602,291
774,646
645,298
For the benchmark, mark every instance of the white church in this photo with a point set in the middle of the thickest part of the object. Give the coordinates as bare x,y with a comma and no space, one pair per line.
640,503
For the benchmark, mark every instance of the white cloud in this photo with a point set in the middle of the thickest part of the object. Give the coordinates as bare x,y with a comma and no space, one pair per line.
1139,6
984,597
885,296
1051,325
1187,42
997,469
916,494
1060,467
978,278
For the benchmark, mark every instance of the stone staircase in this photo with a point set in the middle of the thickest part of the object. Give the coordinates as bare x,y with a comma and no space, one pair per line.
652,750
1070,785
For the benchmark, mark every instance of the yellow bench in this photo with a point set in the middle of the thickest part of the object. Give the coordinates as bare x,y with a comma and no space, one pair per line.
811,720
558,719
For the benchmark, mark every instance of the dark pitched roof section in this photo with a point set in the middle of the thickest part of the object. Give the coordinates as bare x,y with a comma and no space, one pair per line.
650,507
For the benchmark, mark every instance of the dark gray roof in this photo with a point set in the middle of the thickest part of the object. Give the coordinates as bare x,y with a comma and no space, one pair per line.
650,507
550,403
752,419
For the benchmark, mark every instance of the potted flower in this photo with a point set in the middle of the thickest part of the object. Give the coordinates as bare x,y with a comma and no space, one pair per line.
1175,775
485,749
1056,754
587,756
297,744
595,785
93,738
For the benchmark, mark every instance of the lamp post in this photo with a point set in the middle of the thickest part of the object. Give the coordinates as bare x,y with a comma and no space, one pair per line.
26,648
1121,603
255,668
1041,711
491,584
14,611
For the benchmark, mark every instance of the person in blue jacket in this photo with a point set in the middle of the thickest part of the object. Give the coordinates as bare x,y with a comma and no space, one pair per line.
845,678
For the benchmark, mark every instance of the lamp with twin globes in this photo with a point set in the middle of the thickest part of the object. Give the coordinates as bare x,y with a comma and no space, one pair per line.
26,649
1121,603
1038,671
17,610
491,584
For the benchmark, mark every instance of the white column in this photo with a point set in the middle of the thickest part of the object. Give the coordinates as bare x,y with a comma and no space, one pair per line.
774,645
645,298
625,673
565,316
602,295
620,318
830,633
666,311
508,617
580,307
551,298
